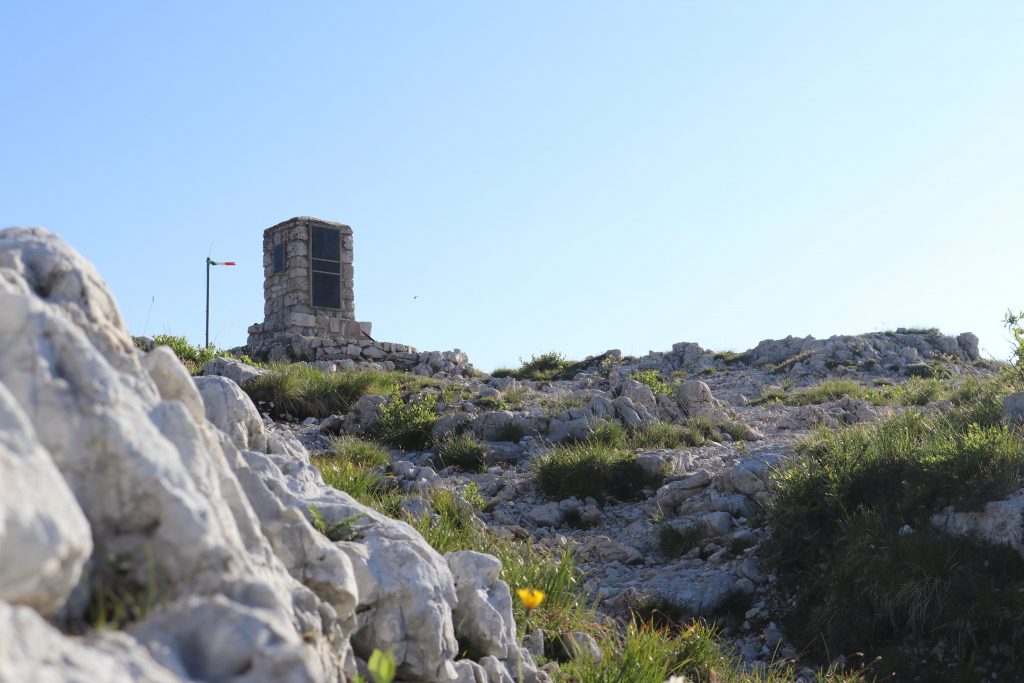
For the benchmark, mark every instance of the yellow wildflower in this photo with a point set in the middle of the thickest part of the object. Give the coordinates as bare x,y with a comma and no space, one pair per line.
531,597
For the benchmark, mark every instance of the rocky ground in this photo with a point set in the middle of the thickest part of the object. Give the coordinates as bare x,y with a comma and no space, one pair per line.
155,526
712,495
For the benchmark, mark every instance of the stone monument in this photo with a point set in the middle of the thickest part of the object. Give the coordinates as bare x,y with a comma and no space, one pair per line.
307,285
309,306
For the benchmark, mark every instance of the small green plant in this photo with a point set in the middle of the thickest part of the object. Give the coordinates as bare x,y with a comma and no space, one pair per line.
471,494
1014,322
510,431
732,357
406,424
462,451
491,403
652,378
560,403
515,398
453,392
664,435
342,530
117,600
381,666
661,611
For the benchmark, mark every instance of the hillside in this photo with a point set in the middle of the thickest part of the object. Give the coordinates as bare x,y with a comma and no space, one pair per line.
839,509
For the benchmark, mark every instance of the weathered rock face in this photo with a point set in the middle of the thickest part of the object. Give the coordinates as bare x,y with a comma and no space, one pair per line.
153,479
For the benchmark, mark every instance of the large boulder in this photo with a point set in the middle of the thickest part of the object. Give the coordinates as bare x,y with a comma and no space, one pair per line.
696,400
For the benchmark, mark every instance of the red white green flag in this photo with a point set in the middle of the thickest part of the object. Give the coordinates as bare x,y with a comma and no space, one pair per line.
220,263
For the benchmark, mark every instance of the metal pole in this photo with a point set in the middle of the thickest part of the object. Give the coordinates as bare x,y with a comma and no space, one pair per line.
207,302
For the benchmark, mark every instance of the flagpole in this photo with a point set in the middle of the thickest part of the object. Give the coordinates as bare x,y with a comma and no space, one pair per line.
207,302
211,262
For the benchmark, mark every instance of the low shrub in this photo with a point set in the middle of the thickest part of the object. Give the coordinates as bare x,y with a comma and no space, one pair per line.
916,391
732,357
559,403
406,424
463,451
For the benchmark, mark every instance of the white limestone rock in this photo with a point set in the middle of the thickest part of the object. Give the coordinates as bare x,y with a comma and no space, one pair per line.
150,474
483,616
1000,522
696,400
44,536
33,650
229,409
232,368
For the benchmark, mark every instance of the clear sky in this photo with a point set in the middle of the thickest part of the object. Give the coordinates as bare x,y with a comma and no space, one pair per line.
532,176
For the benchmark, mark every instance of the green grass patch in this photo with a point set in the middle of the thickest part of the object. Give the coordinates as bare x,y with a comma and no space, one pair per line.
303,391
524,565
859,582
342,530
560,403
360,452
645,653
364,483
916,391
546,367
591,469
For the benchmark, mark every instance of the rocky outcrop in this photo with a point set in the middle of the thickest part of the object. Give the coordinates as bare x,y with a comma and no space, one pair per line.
118,461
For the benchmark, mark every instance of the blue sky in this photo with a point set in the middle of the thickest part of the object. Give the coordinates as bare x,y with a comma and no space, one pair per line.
570,176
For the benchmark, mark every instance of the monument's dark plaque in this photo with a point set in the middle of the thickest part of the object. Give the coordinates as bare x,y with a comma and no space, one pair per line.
325,262
278,258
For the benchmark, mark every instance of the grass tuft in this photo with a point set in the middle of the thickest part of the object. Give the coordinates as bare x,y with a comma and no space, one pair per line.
591,469
302,391
462,451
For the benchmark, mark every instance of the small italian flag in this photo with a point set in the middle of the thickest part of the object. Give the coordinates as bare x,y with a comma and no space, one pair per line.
211,262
